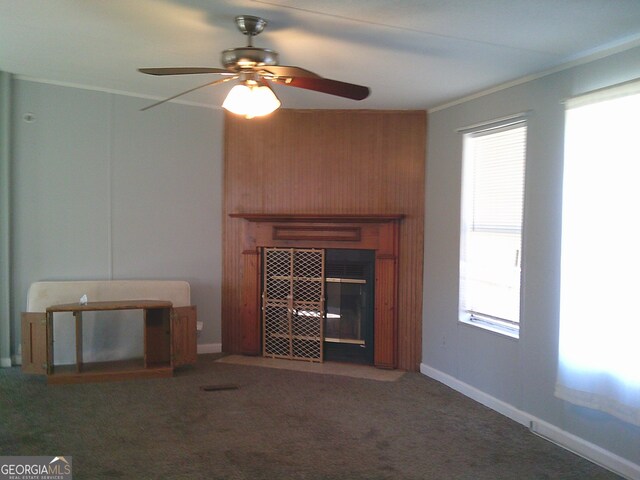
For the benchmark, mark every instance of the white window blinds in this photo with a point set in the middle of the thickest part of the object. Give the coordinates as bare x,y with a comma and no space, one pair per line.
498,178
491,225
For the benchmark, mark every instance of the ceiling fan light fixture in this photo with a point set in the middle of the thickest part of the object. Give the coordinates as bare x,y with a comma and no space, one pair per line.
253,67
251,100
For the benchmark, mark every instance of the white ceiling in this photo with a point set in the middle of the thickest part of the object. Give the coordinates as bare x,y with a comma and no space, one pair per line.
413,54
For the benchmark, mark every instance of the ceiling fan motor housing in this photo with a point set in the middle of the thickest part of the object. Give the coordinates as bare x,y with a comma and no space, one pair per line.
238,59
250,25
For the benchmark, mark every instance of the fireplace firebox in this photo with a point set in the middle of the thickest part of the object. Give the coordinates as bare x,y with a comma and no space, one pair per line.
349,293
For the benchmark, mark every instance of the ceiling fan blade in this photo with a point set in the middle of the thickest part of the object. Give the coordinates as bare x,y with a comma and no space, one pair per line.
326,85
288,71
182,70
215,82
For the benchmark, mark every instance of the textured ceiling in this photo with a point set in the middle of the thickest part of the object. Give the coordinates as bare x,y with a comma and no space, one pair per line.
411,53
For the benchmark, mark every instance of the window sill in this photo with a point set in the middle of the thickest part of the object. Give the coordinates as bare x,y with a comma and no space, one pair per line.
491,327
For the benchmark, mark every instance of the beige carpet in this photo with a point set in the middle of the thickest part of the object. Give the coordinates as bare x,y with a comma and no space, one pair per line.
330,368
277,425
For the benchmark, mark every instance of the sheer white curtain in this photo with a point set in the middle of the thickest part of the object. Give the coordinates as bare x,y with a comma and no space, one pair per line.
599,350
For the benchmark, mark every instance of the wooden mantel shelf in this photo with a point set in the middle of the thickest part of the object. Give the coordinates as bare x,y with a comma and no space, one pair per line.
319,218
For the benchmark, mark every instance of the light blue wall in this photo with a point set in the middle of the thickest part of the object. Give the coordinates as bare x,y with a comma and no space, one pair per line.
521,372
101,190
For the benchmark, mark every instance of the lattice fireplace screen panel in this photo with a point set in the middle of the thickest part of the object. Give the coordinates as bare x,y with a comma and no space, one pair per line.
293,303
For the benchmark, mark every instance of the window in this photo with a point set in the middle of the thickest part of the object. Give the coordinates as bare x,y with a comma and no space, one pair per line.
600,259
491,225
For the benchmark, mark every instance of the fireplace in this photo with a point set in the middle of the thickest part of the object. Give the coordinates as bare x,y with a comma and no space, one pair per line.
317,304
374,236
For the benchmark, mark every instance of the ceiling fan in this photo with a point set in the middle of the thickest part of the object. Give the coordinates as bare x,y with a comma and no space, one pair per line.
255,68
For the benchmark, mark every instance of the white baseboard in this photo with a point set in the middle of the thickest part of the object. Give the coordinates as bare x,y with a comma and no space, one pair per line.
546,430
579,446
479,396
5,362
209,348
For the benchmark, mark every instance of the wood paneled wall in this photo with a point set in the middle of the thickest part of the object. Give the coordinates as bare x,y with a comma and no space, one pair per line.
328,162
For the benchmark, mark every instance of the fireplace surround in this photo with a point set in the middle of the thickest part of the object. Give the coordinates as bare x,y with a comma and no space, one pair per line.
379,233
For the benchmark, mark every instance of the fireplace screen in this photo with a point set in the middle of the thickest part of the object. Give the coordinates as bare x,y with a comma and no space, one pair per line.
293,303
345,304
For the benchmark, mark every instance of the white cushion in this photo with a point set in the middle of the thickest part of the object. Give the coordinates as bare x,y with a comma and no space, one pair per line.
45,294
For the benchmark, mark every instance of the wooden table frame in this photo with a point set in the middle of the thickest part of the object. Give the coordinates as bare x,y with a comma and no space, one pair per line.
169,342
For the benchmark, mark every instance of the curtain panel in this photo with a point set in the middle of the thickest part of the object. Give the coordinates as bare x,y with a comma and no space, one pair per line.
599,353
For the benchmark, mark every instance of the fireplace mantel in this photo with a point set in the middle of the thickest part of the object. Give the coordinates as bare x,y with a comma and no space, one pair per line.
317,218
348,231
